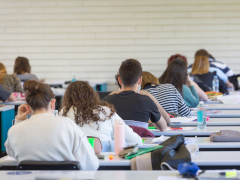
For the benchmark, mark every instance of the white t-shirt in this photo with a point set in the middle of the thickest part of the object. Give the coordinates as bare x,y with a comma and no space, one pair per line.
43,137
106,128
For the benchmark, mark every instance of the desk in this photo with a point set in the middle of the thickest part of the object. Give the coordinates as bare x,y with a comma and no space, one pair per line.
223,106
211,122
204,144
7,115
100,175
15,103
212,102
195,132
205,159
223,114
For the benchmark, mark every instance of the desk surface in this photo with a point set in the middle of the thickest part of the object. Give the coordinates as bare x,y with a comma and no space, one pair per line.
212,122
100,175
223,106
202,142
222,114
203,158
13,103
212,102
195,132
6,107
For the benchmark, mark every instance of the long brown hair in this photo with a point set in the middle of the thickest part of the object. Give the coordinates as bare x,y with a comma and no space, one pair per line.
22,65
148,79
201,65
175,74
38,95
84,100
3,71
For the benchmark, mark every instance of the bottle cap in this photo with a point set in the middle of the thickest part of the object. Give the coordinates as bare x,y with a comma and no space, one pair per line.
201,102
215,76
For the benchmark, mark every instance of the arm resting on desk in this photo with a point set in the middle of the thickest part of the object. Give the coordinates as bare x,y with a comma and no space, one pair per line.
163,113
161,124
11,98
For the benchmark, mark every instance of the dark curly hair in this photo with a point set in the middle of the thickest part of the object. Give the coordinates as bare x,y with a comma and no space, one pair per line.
84,100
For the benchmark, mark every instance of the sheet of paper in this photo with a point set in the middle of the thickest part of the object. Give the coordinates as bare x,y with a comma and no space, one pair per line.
163,138
208,112
230,99
169,178
183,119
9,158
179,129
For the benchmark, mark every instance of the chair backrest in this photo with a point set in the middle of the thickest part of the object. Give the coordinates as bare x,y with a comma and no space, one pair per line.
48,165
136,123
103,94
142,132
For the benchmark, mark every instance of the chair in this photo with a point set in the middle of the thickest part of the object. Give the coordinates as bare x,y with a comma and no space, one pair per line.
48,165
142,132
103,94
136,123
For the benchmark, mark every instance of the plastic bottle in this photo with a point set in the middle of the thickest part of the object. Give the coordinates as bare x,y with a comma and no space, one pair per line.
201,116
215,84
73,77
119,137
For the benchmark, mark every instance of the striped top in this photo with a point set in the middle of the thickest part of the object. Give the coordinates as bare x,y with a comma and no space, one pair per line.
169,98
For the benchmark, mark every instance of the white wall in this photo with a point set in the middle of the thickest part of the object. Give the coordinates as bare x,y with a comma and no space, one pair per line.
92,37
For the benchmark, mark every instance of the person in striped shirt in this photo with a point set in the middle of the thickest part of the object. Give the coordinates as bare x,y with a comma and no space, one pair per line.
177,75
166,94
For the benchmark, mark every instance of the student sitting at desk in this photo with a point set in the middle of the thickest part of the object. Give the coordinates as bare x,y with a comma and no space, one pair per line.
176,74
23,69
44,137
214,67
5,95
94,116
200,68
10,82
129,103
166,94
143,92
199,86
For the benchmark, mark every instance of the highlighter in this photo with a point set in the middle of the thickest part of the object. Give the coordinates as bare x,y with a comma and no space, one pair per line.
229,173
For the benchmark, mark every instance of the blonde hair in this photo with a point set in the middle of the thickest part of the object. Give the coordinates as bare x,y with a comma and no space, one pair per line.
200,65
148,79
3,71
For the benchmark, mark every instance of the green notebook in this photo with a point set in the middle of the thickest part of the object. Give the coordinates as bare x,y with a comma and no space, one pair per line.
142,151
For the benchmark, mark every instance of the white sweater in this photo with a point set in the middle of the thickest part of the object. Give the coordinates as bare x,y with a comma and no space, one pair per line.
106,128
47,138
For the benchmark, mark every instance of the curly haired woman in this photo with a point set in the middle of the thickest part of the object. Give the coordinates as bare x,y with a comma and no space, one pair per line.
94,117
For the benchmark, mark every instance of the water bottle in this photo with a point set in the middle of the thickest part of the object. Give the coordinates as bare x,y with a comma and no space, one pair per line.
215,84
73,77
201,116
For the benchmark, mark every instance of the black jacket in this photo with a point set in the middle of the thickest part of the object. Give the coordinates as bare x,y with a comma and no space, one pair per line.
173,152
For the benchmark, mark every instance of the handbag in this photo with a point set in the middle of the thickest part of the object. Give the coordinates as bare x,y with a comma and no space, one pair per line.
225,136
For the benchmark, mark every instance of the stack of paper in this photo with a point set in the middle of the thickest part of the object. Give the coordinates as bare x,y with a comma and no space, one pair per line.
164,138
230,99
183,119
